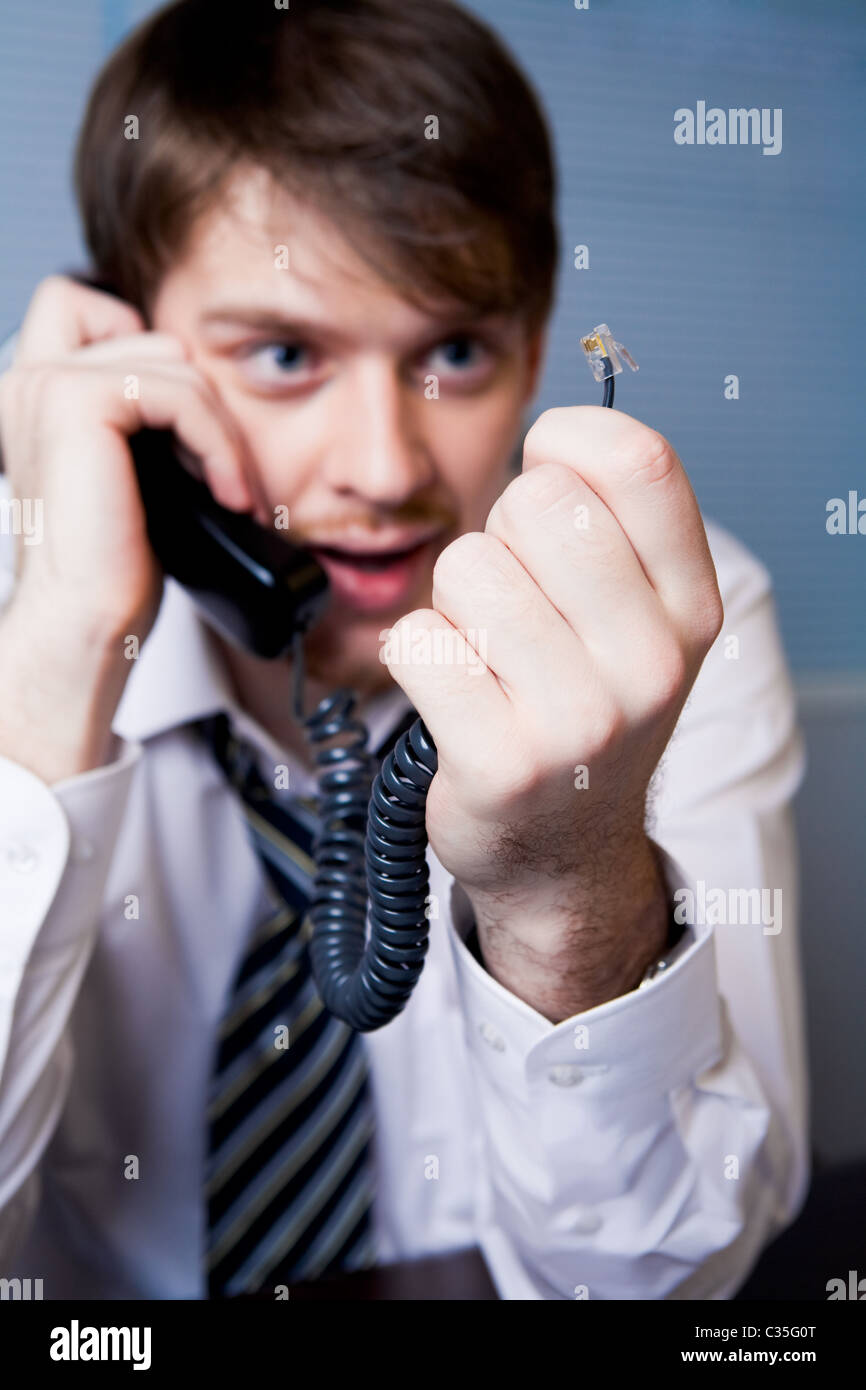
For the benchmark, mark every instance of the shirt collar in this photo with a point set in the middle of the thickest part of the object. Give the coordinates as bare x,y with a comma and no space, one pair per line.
180,676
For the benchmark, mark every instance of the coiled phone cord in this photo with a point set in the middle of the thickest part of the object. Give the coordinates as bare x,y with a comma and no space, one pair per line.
370,847
379,837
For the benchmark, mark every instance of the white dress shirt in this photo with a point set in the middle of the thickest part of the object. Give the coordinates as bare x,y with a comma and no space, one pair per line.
645,1149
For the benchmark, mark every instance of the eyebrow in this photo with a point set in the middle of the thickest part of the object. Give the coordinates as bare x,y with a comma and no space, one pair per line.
272,321
268,320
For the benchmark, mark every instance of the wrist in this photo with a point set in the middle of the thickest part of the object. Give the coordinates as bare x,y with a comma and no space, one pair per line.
59,689
583,948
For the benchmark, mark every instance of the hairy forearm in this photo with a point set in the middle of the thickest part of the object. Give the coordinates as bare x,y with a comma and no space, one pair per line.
579,945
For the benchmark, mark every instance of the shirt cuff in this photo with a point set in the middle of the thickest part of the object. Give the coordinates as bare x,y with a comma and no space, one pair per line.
56,845
649,1040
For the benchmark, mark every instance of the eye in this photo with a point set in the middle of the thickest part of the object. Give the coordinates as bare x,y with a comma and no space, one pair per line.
274,364
459,355
287,355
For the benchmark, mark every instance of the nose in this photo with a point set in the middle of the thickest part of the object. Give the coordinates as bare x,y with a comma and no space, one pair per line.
381,451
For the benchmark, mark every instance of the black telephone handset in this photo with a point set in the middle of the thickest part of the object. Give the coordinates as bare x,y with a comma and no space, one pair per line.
258,589
265,594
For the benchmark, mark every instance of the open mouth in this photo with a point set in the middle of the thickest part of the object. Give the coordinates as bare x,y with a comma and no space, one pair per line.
376,581
369,561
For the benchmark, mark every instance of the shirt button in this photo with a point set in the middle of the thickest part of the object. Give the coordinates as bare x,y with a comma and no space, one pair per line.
566,1074
491,1037
82,850
22,858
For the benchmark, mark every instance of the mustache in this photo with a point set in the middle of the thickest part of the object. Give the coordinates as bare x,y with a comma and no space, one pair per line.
327,530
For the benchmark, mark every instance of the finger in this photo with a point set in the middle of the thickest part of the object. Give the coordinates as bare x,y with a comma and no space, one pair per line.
63,316
636,473
447,681
252,489
178,368
489,594
562,534
150,344
175,397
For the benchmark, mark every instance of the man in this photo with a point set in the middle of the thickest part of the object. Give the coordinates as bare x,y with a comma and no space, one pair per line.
331,272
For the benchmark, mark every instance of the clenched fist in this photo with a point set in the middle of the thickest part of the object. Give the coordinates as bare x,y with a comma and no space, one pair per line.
588,604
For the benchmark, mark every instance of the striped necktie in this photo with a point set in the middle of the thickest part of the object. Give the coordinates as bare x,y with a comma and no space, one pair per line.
289,1184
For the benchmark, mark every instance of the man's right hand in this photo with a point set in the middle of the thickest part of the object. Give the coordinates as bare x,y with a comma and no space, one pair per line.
86,375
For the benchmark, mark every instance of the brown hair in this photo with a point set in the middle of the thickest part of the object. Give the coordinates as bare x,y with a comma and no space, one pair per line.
333,99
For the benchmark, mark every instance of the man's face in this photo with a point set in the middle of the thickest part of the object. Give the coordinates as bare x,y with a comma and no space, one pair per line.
378,425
